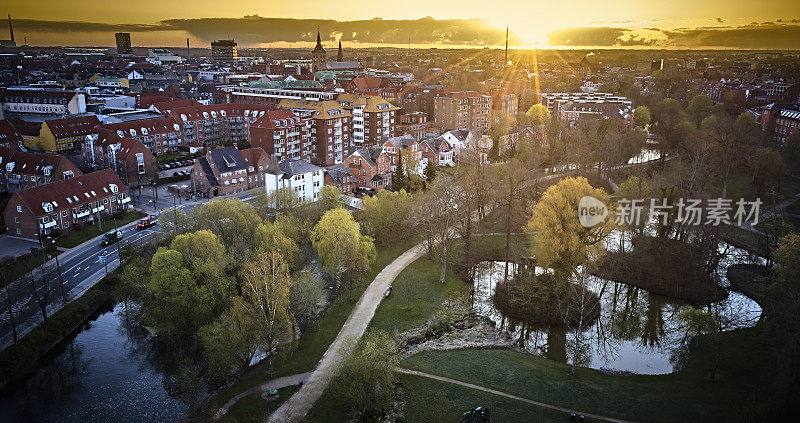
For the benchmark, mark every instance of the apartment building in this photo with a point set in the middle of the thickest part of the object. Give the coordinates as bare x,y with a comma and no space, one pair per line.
298,175
554,101
227,170
59,136
38,101
123,42
779,121
284,135
61,205
415,124
464,110
130,160
160,135
224,51
374,119
22,170
330,128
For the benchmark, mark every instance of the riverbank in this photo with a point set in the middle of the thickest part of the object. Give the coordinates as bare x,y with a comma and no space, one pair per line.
21,358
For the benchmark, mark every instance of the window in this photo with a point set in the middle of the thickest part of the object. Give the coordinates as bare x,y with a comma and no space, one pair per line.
19,209
16,219
66,224
63,213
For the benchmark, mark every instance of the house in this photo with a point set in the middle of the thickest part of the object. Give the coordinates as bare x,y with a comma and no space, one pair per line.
283,135
42,101
407,147
20,170
371,168
9,136
437,150
61,205
227,170
160,135
131,160
342,178
371,85
304,178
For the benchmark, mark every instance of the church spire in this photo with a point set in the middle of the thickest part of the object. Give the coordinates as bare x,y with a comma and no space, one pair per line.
318,47
340,56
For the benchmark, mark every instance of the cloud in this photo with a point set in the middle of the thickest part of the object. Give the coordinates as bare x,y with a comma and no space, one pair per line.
764,35
255,29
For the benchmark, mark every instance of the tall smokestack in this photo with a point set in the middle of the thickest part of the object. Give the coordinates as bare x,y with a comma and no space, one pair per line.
506,61
188,52
10,28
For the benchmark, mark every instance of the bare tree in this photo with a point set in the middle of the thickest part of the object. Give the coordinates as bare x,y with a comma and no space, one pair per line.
436,215
578,306
8,302
510,185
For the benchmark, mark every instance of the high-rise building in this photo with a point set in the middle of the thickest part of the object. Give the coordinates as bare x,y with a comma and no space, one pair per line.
467,110
224,51
124,43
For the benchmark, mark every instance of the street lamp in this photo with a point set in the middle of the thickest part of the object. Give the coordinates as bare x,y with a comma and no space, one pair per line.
60,278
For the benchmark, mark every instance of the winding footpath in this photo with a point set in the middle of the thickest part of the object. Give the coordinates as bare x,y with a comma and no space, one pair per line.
278,383
299,404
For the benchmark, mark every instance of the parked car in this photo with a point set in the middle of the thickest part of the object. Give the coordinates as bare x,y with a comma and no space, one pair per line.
188,162
146,222
110,237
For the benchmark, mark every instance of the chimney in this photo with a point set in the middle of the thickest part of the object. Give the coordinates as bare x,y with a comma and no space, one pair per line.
188,52
10,28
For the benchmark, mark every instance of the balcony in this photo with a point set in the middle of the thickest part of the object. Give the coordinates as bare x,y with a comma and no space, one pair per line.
98,209
80,214
47,225
125,200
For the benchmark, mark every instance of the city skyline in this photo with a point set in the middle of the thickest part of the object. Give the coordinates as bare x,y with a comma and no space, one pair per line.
472,24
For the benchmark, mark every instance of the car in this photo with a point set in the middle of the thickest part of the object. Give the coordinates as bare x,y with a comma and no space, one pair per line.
175,173
161,167
146,222
188,163
167,166
111,237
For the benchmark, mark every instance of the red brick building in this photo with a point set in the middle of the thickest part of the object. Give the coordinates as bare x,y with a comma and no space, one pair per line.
227,170
330,128
64,204
342,177
467,110
19,170
9,136
216,124
133,163
374,119
284,135
779,121
162,135
371,168
415,124
371,85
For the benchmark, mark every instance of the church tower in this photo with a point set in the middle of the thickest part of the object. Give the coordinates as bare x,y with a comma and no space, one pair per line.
318,56
339,56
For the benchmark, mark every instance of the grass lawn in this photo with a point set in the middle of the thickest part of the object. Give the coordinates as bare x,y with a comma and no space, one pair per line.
79,236
392,314
314,343
253,408
674,397
23,264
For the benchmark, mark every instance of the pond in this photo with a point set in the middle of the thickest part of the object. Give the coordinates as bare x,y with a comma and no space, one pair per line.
635,332
103,374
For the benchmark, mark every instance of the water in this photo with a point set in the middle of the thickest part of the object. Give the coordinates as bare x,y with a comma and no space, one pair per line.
104,374
636,331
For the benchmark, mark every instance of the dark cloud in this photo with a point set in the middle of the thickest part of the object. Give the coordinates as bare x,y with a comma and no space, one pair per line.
257,29
766,35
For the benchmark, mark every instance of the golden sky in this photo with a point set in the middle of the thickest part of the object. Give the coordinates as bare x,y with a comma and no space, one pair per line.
529,20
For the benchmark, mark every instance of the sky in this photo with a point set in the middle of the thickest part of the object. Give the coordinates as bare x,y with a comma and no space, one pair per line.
532,23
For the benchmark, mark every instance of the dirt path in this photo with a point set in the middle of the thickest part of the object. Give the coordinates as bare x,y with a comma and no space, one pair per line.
299,404
278,383
515,397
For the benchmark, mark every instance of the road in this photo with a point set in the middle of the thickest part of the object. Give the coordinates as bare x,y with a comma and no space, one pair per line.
81,267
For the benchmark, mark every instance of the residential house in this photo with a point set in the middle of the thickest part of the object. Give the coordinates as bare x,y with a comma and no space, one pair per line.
330,128
131,160
59,136
371,168
227,170
9,136
342,178
302,177
64,204
409,149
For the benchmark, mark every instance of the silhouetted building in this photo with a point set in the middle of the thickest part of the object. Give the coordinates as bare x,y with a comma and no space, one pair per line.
124,43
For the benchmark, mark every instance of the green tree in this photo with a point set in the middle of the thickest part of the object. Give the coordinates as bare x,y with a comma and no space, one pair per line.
641,116
430,171
383,215
171,223
694,324
232,220
279,201
269,237
561,242
228,342
266,300
699,108
342,250
667,117
366,378
537,115
306,293
409,287
399,175
329,198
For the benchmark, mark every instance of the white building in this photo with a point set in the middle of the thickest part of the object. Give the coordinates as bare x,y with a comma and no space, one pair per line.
299,175
162,56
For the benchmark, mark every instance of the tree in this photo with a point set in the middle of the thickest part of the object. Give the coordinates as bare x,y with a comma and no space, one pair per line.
306,293
694,323
437,213
561,242
510,187
342,250
171,223
730,138
269,237
366,377
383,215
329,198
430,171
409,287
699,108
232,220
768,170
399,175
228,342
667,116
641,116
537,115
279,201
266,300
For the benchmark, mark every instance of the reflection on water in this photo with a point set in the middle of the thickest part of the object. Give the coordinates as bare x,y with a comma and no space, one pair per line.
105,374
636,332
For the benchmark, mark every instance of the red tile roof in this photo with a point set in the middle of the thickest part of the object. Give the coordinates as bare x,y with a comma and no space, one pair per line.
73,126
270,118
143,127
28,163
68,193
9,134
